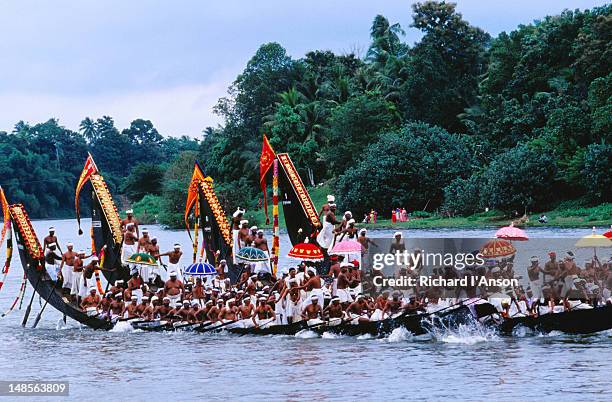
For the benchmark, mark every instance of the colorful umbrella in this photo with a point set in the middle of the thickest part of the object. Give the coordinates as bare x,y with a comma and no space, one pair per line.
251,254
595,241
346,247
200,269
142,259
608,234
497,248
306,251
511,233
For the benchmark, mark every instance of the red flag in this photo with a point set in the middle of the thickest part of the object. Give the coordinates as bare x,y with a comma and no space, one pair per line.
192,193
265,162
5,214
89,169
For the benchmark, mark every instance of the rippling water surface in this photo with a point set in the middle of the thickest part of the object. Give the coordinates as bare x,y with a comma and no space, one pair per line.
470,364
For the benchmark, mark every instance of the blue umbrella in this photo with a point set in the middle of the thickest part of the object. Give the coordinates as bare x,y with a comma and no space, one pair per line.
200,269
251,254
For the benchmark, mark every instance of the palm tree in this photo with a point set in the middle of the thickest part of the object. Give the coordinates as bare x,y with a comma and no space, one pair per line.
88,129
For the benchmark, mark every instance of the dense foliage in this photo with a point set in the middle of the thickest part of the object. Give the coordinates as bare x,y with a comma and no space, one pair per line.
457,122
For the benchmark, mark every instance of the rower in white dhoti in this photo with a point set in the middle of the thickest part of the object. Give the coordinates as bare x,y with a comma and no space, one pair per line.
236,225
130,241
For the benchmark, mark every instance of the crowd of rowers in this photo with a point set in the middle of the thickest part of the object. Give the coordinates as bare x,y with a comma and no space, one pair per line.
299,295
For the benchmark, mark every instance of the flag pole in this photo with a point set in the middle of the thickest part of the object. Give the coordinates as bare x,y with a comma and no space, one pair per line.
275,240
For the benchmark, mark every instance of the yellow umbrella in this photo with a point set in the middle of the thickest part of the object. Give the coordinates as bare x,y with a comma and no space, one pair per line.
595,241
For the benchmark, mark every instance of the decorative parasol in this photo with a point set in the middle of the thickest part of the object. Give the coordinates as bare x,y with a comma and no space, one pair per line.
497,248
306,251
594,241
251,254
200,269
511,233
608,234
142,259
347,247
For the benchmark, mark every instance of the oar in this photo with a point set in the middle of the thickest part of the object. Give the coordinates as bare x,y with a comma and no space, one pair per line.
29,308
39,316
221,326
261,325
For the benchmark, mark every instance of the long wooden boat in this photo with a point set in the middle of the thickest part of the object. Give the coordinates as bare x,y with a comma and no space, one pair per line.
573,322
577,321
32,260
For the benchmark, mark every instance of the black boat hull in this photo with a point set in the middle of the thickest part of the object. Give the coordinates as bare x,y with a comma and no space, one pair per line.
580,321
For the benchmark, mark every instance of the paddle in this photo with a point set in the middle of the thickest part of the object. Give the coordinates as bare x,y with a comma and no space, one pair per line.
29,308
258,326
220,326
39,316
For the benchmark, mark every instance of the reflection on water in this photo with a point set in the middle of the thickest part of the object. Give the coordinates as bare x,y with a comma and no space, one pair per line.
161,366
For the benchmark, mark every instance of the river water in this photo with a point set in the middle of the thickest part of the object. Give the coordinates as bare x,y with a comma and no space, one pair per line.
470,364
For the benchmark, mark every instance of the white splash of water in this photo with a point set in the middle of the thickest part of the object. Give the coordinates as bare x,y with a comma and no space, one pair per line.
122,326
306,334
365,336
400,334
331,335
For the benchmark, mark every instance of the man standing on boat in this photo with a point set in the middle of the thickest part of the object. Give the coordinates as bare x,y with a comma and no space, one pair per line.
130,220
243,234
51,261
66,267
144,242
236,224
174,258
325,238
51,238
261,243
130,239
174,288
325,208
535,282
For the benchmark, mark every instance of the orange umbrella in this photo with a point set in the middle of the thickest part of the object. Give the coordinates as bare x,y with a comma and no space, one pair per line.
497,248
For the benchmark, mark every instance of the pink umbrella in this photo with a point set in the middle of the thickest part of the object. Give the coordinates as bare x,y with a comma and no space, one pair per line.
346,247
511,233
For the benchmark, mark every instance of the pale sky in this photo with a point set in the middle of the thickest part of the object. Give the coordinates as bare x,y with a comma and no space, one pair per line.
169,61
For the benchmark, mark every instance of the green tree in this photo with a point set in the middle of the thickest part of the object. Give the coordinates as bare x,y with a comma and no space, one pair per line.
145,178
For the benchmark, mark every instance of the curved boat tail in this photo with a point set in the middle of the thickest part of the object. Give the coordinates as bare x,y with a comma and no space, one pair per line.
301,217
107,237
217,235
32,259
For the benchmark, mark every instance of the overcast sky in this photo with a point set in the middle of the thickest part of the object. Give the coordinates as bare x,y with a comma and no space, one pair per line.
169,61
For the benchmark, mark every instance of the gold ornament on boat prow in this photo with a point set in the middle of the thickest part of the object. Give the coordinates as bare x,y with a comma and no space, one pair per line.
108,206
207,189
20,218
300,190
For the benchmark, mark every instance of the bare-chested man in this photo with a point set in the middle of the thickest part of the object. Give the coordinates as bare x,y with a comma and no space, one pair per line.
66,266
130,238
533,272
104,305
163,310
343,284
358,310
52,259
90,302
51,238
174,288
197,314
213,313
149,312
264,313
243,233
325,208
142,307
313,311
117,306
334,310
174,257
144,242
247,309
392,306
131,310
229,312
130,220
365,241
313,285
